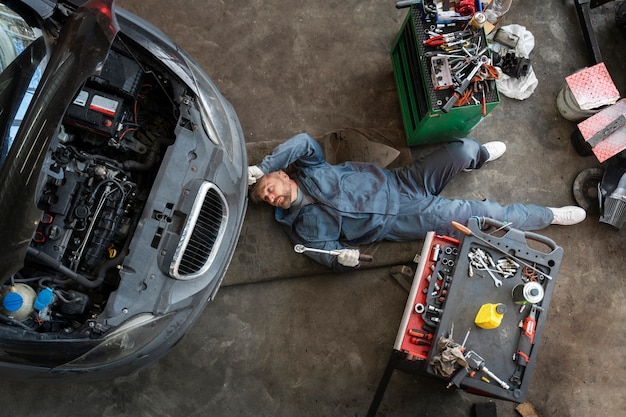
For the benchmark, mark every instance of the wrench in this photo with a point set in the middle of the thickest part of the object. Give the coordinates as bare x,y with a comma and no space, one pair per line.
496,281
301,249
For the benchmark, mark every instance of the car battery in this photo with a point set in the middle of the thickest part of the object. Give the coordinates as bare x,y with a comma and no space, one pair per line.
96,111
120,75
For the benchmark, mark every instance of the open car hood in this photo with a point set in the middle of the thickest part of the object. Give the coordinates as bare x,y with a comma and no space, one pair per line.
81,48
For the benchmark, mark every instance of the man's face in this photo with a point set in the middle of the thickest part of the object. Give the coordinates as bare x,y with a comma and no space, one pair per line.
275,189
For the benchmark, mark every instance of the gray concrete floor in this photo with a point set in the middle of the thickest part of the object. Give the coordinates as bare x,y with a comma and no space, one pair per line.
317,345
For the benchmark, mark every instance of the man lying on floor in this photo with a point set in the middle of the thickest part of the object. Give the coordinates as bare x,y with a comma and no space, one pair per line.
338,207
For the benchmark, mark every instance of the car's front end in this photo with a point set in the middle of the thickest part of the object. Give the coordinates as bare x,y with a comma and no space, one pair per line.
122,190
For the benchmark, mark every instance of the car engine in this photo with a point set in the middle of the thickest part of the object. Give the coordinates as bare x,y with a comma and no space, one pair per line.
94,185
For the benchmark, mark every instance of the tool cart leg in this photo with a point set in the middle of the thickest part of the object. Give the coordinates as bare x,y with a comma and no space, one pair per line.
384,381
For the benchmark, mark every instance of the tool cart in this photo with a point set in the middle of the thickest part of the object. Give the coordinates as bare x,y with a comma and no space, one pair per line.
427,58
454,279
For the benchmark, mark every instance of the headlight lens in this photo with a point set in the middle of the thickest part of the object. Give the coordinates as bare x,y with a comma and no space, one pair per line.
124,341
214,115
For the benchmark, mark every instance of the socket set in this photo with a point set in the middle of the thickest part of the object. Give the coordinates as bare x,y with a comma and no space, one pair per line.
427,296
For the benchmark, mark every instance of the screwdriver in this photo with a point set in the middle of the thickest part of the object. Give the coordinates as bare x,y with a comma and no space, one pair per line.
483,101
420,334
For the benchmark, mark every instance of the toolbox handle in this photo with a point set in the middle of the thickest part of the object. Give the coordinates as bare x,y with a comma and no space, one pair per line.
528,235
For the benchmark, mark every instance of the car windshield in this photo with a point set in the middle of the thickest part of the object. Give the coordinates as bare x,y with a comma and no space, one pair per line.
21,53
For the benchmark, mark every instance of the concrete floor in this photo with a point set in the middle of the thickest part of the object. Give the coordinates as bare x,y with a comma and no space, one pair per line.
317,344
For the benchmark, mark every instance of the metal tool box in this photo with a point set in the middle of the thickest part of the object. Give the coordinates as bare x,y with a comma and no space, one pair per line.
420,99
449,298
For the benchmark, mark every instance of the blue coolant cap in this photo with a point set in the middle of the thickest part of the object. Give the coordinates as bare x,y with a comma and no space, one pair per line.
12,302
44,298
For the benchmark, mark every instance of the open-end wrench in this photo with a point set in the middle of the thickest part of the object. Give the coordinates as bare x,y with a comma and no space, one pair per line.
301,249
496,281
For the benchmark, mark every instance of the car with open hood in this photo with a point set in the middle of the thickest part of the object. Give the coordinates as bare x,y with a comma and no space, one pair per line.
122,190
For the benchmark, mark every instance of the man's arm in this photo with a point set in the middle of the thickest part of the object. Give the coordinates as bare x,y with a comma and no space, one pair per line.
347,258
301,149
319,227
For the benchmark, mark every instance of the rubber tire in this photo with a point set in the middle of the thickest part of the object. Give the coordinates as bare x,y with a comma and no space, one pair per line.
580,145
585,189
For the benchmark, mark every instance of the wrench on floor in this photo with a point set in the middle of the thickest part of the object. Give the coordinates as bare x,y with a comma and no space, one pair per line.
301,249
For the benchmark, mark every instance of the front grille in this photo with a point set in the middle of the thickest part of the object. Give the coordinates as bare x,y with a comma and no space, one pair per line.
614,212
201,235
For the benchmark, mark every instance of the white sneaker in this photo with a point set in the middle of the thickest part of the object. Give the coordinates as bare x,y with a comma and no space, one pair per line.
568,215
495,149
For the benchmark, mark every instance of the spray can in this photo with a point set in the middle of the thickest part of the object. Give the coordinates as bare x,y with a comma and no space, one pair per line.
529,293
478,20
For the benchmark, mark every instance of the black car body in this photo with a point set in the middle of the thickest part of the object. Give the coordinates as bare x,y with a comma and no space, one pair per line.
122,190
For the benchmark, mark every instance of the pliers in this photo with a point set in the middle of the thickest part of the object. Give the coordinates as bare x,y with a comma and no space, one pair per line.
435,41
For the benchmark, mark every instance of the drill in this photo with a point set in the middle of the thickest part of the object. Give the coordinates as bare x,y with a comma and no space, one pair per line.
526,340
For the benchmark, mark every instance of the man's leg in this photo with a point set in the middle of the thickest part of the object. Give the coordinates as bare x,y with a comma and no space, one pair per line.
431,173
437,213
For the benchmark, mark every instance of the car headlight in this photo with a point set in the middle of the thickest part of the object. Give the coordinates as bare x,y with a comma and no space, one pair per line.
215,117
125,340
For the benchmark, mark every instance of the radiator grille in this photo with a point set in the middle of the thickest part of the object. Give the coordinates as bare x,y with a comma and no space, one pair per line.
614,212
202,234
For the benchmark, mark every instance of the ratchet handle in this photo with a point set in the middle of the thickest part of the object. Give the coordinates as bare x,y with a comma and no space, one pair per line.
403,4
365,257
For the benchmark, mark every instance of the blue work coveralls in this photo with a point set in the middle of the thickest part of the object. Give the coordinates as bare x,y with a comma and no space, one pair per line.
360,203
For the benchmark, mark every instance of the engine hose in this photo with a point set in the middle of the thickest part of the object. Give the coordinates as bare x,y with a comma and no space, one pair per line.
151,159
12,321
47,260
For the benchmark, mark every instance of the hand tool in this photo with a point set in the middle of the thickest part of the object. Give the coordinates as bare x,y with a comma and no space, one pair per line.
458,92
420,334
301,249
478,364
467,231
483,100
419,308
406,3
435,41
526,340
419,342
496,281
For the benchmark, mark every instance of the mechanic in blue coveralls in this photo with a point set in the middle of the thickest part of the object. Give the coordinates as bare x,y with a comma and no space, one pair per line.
338,207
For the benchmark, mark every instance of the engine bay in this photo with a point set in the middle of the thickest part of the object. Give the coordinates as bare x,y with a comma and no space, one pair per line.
96,179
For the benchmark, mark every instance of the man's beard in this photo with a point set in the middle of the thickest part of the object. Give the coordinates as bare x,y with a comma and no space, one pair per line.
285,199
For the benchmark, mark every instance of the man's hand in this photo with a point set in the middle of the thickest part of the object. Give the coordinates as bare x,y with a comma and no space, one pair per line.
348,257
254,174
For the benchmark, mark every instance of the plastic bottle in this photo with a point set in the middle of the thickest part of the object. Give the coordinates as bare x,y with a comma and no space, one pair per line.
17,301
496,9
490,315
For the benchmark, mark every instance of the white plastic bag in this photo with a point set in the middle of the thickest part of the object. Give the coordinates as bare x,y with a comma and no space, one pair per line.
523,87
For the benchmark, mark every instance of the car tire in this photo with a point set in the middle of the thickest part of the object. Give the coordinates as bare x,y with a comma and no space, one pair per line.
585,189
580,145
